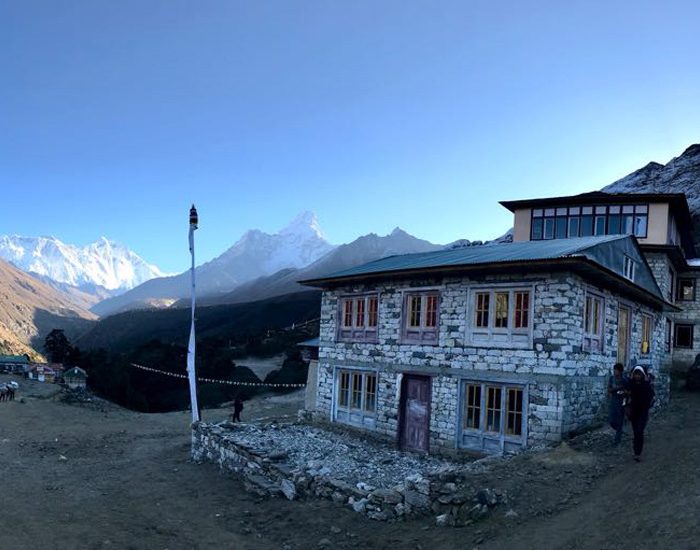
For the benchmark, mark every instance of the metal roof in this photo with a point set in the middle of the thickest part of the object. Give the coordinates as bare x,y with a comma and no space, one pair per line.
603,254
14,359
313,343
477,255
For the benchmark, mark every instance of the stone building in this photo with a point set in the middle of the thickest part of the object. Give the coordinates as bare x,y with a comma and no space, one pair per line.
487,348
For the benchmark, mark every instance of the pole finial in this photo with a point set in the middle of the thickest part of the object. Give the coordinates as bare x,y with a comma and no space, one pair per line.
194,218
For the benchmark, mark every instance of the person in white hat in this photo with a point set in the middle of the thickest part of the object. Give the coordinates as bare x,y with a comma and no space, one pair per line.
641,397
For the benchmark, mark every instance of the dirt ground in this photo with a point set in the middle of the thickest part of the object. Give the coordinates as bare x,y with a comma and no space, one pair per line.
97,476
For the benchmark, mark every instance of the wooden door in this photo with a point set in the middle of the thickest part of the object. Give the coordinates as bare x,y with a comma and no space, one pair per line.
416,413
624,316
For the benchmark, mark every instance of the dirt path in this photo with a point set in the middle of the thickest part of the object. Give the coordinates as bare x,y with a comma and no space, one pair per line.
98,476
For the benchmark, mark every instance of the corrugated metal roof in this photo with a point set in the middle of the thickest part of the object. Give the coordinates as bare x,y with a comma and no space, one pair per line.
13,359
478,255
313,343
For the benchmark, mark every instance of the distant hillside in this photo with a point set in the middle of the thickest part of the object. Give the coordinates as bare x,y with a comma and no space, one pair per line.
30,309
365,249
680,175
127,331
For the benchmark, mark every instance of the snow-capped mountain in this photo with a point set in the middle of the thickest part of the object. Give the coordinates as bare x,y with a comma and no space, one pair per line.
255,254
679,175
103,264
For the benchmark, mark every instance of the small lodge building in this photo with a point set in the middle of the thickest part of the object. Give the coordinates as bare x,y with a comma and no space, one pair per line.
498,347
44,372
14,364
75,378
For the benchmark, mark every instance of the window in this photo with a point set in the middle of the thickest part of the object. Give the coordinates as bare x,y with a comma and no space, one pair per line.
628,268
358,318
494,416
647,330
421,315
356,397
683,336
669,335
686,290
501,315
585,221
593,313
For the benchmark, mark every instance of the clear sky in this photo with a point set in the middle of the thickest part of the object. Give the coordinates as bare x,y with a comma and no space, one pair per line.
115,116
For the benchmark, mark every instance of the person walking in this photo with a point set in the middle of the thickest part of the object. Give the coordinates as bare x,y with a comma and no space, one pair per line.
617,384
237,408
641,396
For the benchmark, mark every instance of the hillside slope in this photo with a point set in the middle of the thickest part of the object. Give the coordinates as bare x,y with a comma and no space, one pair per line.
30,309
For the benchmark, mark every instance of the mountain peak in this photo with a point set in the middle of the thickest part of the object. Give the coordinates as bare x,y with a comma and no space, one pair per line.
305,223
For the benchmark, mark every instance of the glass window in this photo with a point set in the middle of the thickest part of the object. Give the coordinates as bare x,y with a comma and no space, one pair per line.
561,228
573,227
548,228
640,226
600,225
421,316
628,209
586,226
587,210
600,210
370,404
537,212
627,225
482,309
614,224
614,209
493,409
686,290
358,318
514,411
683,336
562,211
537,229
472,406
574,211
522,309
344,389
373,311
360,312
593,323
501,314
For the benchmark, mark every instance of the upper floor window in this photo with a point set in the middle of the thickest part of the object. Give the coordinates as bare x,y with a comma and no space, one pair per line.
358,317
501,315
628,268
686,290
585,221
593,323
421,315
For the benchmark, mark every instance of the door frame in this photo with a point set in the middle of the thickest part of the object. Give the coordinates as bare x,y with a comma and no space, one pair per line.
402,409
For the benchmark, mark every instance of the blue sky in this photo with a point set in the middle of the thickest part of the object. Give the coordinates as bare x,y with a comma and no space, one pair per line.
115,116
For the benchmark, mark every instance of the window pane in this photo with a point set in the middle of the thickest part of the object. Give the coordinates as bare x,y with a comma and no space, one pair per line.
356,402
587,210
573,227
482,309
431,310
628,209
549,212
600,225
684,336
501,313
493,409
549,228
686,289
347,313
522,309
628,225
370,392
641,209
561,228
537,229
614,209
614,224
514,423
414,315
344,389
586,226
640,226
372,311
472,406
360,312
537,212
574,211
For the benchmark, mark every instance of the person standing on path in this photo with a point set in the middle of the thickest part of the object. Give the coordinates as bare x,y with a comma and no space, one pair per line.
237,408
641,396
616,391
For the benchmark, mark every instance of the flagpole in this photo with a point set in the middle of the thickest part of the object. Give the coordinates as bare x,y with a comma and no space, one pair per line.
194,221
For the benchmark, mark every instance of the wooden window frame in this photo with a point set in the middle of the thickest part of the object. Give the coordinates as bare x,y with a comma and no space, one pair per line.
676,326
679,287
514,335
360,330
355,396
481,438
590,338
629,267
421,333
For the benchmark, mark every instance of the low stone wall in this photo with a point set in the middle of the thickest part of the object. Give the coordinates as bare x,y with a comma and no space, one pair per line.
446,493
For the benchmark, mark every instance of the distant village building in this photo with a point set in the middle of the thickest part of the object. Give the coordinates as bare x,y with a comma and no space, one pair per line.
496,348
14,364
43,372
75,378
309,352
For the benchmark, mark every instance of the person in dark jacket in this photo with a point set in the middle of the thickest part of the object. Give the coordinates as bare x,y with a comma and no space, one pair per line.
641,397
617,384
237,408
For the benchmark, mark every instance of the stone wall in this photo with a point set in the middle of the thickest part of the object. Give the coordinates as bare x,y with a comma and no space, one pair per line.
567,386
